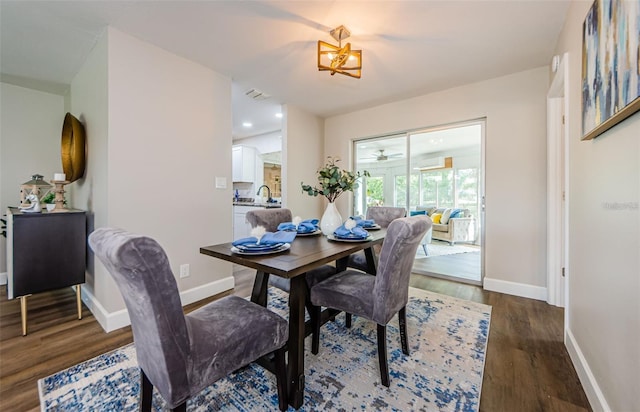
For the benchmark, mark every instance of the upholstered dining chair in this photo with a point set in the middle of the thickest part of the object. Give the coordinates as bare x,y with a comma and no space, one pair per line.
383,216
270,219
377,298
183,354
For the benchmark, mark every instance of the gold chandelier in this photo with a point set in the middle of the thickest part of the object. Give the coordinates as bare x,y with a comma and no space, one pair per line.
339,59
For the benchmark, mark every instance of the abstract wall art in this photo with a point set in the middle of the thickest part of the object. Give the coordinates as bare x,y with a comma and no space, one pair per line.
610,65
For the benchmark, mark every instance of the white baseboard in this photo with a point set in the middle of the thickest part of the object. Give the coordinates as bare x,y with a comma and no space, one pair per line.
516,289
115,320
3,278
588,381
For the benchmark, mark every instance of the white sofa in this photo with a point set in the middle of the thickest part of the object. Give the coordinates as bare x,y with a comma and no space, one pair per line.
461,228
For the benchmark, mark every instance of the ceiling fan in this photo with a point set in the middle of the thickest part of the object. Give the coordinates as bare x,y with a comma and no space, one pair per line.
381,156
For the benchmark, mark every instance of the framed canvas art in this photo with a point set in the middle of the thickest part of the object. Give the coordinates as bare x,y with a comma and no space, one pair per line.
610,65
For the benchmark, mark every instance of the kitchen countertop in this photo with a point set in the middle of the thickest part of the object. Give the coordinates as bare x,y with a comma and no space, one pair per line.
254,204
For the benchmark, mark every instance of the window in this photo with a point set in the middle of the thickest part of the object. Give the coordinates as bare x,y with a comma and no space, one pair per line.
375,191
438,188
400,190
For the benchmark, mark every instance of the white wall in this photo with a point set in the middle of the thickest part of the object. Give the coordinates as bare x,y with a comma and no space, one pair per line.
302,154
514,107
88,102
603,334
30,135
166,137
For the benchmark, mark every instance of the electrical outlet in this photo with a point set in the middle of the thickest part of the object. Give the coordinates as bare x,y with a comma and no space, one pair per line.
184,270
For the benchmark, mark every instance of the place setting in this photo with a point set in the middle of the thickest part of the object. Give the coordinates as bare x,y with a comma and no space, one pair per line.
350,231
307,227
262,242
368,224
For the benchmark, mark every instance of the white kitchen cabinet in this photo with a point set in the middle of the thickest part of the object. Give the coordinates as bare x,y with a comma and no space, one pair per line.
242,228
243,161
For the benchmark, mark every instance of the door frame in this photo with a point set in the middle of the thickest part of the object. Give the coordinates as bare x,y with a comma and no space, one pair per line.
482,121
558,187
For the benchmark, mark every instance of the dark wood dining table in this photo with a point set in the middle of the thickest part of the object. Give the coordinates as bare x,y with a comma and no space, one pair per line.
305,253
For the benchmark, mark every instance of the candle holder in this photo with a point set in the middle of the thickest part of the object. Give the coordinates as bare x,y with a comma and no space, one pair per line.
59,191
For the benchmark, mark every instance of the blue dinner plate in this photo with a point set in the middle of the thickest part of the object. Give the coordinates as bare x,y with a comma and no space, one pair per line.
351,237
255,247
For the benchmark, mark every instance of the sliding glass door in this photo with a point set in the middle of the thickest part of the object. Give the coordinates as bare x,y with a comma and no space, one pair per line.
437,168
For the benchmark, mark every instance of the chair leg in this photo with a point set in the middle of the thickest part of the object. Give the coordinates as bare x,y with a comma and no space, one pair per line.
146,392
404,340
382,354
281,379
315,323
180,408
424,247
347,319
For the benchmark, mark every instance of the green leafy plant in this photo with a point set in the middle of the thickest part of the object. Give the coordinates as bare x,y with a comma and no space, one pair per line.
49,198
333,181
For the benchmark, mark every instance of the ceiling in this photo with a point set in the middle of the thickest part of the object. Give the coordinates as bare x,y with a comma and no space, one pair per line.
409,48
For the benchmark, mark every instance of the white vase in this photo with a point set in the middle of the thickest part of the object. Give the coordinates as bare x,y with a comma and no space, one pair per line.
331,219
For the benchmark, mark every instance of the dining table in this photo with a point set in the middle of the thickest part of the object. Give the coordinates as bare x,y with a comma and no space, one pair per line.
305,253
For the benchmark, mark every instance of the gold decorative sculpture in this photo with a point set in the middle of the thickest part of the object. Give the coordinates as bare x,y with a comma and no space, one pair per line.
73,148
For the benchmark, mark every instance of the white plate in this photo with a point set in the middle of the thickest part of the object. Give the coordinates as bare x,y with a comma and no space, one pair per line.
374,227
317,232
332,237
282,248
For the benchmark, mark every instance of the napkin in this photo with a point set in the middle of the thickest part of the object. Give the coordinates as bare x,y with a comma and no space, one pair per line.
305,226
269,238
363,222
355,233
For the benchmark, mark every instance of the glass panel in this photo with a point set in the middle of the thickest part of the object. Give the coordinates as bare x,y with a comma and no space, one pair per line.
447,162
438,188
401,190
375,191
386,160
468,187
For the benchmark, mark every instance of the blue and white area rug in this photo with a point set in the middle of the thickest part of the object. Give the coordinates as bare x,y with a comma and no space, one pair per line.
447,342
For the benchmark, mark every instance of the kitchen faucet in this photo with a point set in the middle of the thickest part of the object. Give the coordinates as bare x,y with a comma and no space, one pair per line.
269,199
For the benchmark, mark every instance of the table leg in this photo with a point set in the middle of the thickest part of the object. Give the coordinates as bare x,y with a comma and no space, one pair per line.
296,341
372,266
23,314
341,264
79,300
260,285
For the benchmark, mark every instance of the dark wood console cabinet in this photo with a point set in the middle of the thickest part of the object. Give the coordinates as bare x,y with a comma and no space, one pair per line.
45,251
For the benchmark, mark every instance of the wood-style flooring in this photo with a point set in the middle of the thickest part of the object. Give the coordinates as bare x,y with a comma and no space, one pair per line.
527,367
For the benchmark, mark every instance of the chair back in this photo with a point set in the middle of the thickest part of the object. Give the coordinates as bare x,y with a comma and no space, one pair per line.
391,290
384,215
141,270
269,218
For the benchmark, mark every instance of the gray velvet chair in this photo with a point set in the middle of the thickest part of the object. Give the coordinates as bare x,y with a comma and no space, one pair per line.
183,354
270,219
377,298
383,216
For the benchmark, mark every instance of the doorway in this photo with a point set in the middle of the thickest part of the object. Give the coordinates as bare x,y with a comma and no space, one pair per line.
437,171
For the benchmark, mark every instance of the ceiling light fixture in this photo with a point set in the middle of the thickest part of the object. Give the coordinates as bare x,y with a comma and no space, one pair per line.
247,124
279,115
335,58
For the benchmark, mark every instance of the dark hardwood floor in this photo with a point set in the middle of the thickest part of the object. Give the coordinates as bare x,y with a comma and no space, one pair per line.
527,367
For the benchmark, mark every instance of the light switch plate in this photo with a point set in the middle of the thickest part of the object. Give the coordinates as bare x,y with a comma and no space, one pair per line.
221,182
